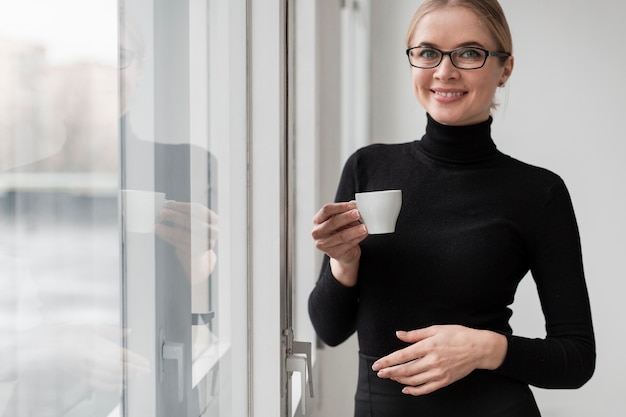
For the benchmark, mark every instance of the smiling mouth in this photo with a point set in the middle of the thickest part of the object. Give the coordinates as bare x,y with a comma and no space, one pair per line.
449,94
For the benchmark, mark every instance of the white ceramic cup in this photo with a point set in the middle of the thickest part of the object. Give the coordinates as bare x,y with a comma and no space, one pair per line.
379,210
140,209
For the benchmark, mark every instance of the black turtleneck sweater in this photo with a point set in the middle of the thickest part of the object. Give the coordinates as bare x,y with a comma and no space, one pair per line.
473,223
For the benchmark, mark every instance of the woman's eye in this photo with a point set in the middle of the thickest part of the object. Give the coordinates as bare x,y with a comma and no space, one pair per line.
470,53
428,54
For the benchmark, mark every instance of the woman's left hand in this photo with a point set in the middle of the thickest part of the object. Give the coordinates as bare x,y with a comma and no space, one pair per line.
439,356
192,230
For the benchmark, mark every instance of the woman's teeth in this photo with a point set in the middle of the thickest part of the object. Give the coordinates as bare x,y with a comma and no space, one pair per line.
444,94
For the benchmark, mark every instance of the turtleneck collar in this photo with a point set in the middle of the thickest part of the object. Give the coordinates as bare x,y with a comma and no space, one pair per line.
458,144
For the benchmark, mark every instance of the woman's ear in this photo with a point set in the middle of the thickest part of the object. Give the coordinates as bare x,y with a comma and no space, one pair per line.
507,69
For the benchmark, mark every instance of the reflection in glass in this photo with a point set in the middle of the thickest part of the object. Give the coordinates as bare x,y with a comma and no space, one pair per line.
111,261
178,208
60,334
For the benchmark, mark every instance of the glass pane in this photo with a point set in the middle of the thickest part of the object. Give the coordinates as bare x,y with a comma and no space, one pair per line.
184,209
60,335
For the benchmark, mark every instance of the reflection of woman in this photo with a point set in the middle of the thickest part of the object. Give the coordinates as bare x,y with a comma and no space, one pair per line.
188,224
184,253
430,302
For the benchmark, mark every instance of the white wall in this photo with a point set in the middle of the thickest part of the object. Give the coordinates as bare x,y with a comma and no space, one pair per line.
561,113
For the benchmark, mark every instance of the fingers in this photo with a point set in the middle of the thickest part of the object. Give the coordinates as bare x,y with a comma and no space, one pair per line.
188,224
413,374
437,357
331,210
109,332
187,215
106,370
407,354
175,236
193,210
347,236
420,376
137,363
423,389
415,336
337,231
344,244
409,366
421,380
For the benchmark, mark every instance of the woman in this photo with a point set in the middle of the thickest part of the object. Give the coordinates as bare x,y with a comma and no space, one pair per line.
430,302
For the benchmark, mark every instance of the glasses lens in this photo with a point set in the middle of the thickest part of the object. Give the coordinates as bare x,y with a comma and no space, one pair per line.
125,58
424,57
468,58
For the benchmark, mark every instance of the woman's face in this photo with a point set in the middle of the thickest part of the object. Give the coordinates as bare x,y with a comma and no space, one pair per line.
450,95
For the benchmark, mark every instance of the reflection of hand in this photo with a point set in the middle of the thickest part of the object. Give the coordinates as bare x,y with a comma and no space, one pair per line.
92,355
98,356
192,230
337,233
439,356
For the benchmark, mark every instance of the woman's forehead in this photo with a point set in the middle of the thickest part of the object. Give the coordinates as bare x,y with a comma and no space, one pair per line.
452,27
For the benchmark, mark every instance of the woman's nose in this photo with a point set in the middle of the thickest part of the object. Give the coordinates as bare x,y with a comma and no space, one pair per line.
446,70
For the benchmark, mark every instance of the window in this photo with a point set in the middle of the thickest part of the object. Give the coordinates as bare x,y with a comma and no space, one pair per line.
123,215
59,242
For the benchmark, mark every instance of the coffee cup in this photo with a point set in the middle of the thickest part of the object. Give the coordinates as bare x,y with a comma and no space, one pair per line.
379,210
140,209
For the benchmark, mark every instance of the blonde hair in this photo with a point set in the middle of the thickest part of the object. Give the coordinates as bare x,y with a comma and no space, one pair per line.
488,11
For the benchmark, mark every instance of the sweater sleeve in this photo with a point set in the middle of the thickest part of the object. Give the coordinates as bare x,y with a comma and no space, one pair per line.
332,306
566,357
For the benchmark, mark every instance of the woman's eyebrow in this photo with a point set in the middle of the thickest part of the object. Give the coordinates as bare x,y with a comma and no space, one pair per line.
471,43
426,45
461,45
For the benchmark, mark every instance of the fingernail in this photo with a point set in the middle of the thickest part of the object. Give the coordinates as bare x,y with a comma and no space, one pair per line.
354,214
376,366
363,230
400,333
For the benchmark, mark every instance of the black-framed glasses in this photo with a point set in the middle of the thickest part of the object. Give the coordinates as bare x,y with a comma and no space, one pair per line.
465,57
126,58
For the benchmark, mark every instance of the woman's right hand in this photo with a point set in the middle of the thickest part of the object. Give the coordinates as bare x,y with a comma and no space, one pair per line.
337,232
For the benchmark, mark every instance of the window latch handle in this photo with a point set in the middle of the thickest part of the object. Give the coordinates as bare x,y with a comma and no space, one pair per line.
302,364
174,351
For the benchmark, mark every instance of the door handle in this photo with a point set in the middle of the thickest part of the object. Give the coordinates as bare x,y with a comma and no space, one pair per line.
301,364
174,351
